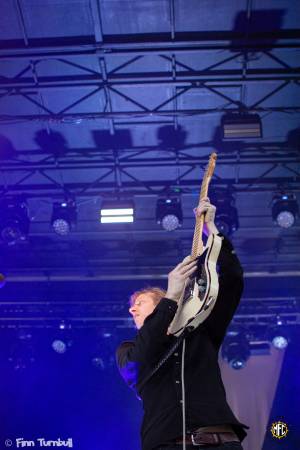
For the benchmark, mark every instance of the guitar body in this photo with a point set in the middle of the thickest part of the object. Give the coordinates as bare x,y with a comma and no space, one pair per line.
200,292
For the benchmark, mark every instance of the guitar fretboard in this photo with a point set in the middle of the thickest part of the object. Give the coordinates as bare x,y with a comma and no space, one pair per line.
197,247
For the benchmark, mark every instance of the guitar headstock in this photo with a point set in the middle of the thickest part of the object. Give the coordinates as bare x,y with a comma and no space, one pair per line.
211,165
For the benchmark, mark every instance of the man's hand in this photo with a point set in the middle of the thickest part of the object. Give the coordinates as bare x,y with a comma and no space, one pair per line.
178,276
205,207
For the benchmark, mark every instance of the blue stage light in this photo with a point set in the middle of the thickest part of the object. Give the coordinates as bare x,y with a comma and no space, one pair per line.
285,209
64,216
236,349
14,220
169,213
279,335
59,346
280,342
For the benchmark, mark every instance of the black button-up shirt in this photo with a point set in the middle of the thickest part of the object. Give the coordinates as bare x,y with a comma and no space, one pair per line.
205,395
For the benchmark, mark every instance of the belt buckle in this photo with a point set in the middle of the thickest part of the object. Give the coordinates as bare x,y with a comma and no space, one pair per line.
198,444
193,441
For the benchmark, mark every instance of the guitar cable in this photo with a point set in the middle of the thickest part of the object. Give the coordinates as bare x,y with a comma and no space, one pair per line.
183,397
139,386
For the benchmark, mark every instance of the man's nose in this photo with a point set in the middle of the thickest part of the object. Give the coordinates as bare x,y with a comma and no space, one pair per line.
132,309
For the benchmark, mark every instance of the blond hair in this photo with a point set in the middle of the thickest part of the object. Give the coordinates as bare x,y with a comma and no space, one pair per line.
156,292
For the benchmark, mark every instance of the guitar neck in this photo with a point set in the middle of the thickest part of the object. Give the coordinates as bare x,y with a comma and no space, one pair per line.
197,247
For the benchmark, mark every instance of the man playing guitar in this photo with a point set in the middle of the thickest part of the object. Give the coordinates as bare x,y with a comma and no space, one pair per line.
187,389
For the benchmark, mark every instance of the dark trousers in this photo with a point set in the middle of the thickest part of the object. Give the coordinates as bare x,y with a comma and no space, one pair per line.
224,446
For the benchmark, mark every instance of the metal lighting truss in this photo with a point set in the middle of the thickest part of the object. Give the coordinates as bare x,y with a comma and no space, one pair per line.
122,164
168,49
252,312
122,161
36,176
180,77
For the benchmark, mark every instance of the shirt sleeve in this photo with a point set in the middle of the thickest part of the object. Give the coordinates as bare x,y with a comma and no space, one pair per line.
230,291
152,338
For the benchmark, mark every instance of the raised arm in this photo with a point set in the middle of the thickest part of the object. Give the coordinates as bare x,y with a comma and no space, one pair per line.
230,291
152,337
230,279
152,340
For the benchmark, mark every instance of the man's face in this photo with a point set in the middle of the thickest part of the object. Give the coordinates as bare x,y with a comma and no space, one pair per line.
142,307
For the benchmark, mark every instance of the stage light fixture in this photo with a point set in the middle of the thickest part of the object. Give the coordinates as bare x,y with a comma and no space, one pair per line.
14,220
279,336
59,346
285,208
236,349
280,342
169,213
64,216
22,353
226,220
241,126
98,362
62,325
117,212
63,337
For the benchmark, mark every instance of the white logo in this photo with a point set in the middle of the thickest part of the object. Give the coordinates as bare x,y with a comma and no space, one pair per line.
40,442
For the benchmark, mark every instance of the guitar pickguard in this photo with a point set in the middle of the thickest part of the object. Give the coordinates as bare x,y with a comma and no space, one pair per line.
200,278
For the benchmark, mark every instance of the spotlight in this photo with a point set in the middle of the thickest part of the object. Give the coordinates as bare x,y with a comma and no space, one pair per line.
98,362
226,220
236,349
59,346
22,353
279,320
102,349
280,342
63,338
62,325
285,209
241,126
63,217
279,336
169,213
117,212
14,220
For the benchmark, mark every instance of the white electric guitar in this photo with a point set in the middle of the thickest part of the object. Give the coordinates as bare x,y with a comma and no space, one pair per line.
200,292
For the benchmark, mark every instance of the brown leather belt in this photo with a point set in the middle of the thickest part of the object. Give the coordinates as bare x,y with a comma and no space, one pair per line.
199,438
